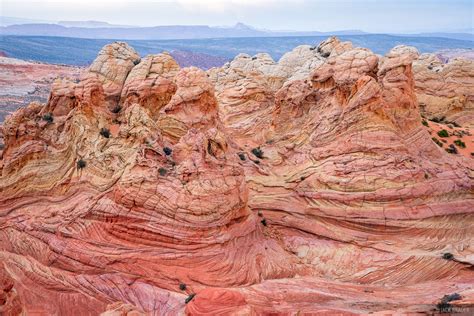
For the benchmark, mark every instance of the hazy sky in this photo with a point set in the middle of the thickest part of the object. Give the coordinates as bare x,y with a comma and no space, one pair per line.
321,15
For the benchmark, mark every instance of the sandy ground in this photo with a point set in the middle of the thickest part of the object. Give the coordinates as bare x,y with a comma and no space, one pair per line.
464,135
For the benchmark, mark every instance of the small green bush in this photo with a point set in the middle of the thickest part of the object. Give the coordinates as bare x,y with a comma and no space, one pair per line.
444,305
424,122
257,152
182,286
443,133
448,256
440,144
189,298
241,156
81,164
264,222
105,132
168,151
451,149
438,119
48,117
162,171
460,143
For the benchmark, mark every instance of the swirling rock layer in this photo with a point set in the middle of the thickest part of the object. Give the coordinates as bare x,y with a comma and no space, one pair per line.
445,90
307,185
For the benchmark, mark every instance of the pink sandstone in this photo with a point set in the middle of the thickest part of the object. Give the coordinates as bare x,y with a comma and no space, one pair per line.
262,190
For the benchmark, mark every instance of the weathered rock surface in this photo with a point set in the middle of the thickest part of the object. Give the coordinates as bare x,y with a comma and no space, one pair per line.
23,82
304,186
445,90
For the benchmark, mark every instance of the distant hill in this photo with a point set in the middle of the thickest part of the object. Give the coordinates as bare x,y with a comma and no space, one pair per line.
76,51
90,24
469,36
7,20
103,30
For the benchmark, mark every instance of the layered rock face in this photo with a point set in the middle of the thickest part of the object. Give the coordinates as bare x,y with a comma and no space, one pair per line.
307,185
445,90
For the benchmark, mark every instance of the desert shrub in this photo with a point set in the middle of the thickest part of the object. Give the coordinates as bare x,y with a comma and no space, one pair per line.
440,144
264,222
443,133
424,122
105,132
452,297
460,143
241,156
257,152
136,61
438,119
48,117
448,256
182,286
167,151
189,298
117,109
444,305
81,164
162,171
451,149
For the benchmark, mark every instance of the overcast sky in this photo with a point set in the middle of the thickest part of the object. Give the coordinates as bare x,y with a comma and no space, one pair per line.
314,15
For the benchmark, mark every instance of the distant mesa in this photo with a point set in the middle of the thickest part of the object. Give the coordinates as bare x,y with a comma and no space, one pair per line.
91,24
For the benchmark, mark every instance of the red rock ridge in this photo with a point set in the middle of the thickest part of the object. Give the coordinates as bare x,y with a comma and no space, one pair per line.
305,186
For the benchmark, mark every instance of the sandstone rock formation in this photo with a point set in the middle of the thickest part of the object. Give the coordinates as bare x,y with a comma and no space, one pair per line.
23,82
445,90
305,186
